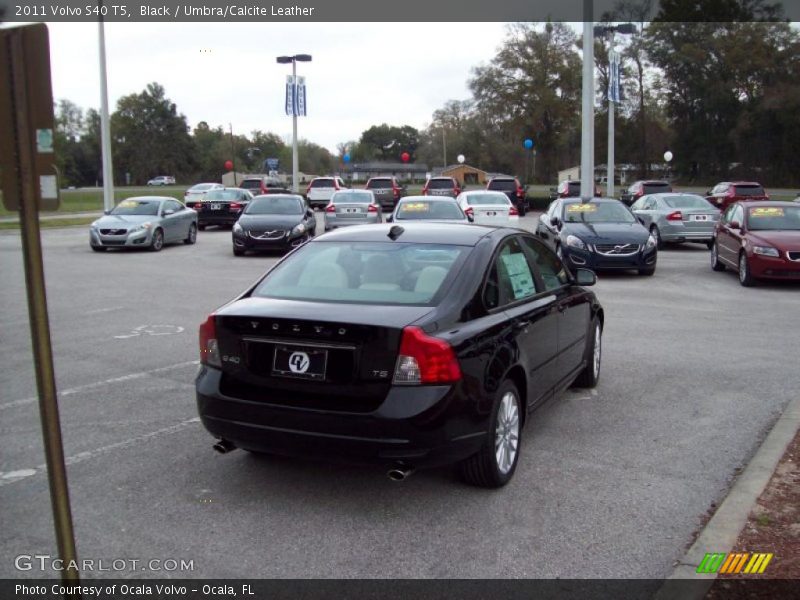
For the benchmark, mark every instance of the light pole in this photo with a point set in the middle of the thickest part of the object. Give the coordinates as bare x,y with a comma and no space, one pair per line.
587,109
105,122
294,60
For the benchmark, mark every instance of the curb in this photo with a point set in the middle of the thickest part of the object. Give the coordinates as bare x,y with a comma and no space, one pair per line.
722,531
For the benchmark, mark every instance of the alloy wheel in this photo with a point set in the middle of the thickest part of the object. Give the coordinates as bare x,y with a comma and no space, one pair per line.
507,433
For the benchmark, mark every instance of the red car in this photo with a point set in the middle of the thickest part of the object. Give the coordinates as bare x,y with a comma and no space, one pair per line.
441,186
726,193
760,240
512,188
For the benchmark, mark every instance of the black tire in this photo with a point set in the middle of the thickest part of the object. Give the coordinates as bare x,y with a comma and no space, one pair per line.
657,234
481,469
648,272
716,265
590,375
191,237
745,277
157,242
710,244
99,248
237,252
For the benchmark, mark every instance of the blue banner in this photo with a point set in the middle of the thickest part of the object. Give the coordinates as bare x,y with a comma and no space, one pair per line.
301,96
290,95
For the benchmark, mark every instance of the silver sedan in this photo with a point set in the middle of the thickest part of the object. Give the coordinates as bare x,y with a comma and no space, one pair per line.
144,222
673,217
352,207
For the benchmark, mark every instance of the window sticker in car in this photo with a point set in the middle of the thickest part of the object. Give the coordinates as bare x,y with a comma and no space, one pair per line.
129,204
768,211
416,207
581,208
519,274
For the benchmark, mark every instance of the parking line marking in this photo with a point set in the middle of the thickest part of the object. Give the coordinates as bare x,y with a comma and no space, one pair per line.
103,310
96,384
21,474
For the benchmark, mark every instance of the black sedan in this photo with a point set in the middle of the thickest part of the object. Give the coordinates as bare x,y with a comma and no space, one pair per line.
598,234
220,207
275,222
409,346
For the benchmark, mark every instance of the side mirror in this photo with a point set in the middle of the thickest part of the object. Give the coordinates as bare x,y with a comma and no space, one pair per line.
168,212
555,222
470,218
390,219
585,277
735,225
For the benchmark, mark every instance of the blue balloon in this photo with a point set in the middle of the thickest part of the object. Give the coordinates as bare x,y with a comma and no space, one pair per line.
346,157
528,143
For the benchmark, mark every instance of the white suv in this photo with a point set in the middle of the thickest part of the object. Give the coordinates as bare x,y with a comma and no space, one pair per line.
162,180
321,189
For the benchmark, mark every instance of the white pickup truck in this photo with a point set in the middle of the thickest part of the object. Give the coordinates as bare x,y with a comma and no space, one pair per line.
321,189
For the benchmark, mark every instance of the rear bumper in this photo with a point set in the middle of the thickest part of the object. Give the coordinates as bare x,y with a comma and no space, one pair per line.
679,233
420,426
216,219
334,222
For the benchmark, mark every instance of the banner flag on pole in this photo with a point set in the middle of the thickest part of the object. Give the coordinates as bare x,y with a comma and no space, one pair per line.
290,95
301,96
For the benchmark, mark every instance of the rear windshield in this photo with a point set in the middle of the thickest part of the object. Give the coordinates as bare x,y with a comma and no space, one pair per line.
420,209
774,218
137,207
574,187
275,205
323,183
223,195
373,184
506,185
440,184
488,199
597,212
365,273
201,187
749,190
250,184
656,188
351,196
687,202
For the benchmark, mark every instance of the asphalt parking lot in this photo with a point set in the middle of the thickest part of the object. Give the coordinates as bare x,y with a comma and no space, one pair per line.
612,482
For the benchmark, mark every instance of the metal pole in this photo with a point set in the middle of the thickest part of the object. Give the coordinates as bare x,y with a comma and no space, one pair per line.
444,148
233,155
40,325
533,176
105,123
587,112
295,167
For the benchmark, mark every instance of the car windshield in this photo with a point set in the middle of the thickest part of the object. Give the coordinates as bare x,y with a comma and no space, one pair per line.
494,199
201,187
687,201
749,190
379,184
428,210
322,183
365,273
764,218
506,185
351,196
137,207
275,205
224,195
250,184
597,212
440,184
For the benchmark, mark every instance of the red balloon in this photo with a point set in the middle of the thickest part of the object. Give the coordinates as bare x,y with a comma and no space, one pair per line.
405,156
229,165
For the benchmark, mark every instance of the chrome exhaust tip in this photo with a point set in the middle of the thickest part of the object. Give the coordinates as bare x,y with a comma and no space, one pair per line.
224,446
399,473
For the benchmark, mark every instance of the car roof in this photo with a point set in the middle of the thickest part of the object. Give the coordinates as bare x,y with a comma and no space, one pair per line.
419,233
766,203
483,193
575,200
671,194
442,177
275,196
406,199
149,198
651,181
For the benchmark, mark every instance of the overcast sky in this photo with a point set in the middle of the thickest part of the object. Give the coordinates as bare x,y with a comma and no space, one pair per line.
362,74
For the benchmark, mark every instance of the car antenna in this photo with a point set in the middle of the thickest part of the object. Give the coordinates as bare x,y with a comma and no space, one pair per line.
395,232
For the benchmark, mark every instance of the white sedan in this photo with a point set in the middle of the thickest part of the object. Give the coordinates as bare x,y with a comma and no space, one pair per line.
488,207
199,191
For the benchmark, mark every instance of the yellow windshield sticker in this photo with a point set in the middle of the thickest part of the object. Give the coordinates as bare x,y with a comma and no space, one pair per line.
581,207
767,211
129,204
416,207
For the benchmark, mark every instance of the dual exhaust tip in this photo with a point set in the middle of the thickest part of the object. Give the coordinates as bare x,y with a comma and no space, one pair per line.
399,472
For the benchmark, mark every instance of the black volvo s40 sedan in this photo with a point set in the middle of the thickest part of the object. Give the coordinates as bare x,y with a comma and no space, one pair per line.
413,345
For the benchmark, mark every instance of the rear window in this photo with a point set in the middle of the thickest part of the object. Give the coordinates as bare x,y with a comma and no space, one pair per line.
656,188
421,209
749,190
505,185
323,183
365,273
251,184
223,195
351,196
275,205
381,184
687,202
484,199
574,187
440,184
201,187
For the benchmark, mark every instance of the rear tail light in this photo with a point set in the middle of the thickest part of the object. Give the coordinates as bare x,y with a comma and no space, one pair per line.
330,208
236,206
425,359
513,212
197,206
396,192
372,208
209,348
675,216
